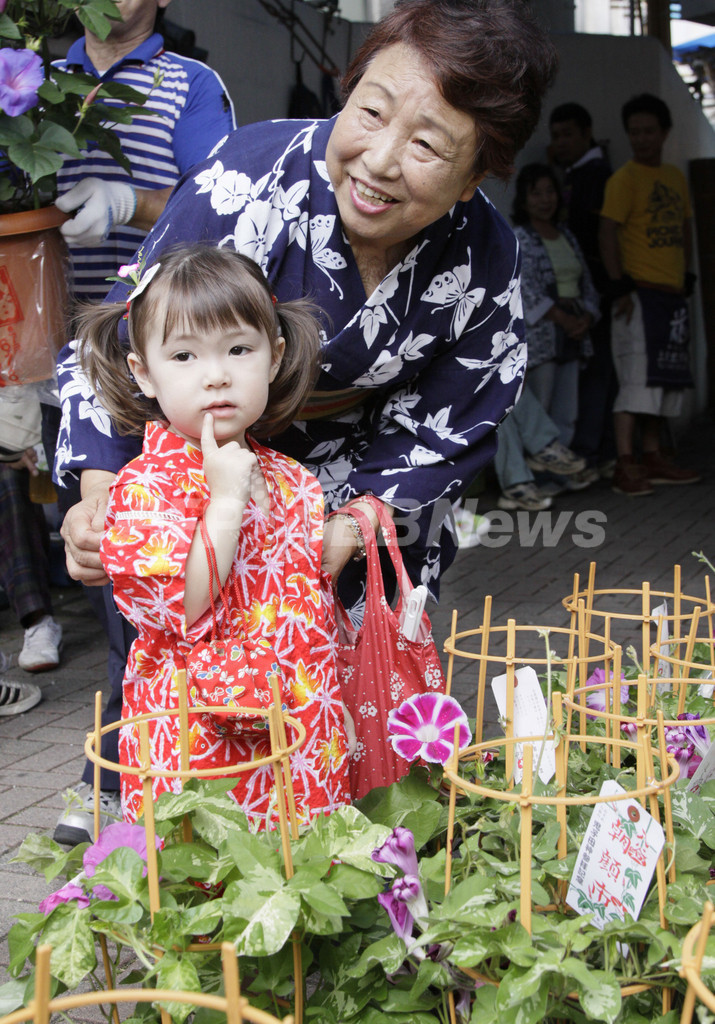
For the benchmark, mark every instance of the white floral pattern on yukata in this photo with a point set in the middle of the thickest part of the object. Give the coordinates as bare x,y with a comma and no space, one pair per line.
437,348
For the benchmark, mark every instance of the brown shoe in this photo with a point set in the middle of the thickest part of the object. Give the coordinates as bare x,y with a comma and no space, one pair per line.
630,477
662,470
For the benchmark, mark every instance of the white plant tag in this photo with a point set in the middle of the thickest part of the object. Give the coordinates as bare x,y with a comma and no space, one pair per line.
616,860
706,689
704,772
663,668
530,718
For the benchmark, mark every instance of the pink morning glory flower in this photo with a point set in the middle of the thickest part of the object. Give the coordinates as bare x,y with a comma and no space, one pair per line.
68,892
400,917
398,849
21,75
596,694
423,726
127,269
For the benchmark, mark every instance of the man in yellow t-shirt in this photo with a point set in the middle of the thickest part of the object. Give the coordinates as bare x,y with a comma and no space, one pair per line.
646,244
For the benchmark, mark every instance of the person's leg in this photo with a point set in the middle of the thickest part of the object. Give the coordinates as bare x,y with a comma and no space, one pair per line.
536,427
25,570
563,405
632,401
509,462
593,436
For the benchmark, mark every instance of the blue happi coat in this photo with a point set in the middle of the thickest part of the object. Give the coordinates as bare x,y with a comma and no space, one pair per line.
437,348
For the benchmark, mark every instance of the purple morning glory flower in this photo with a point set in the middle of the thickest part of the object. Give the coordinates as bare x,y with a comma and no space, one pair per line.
408,890
596,694
398,849
21,75
68,892
400,917
695,734
114,836
423,726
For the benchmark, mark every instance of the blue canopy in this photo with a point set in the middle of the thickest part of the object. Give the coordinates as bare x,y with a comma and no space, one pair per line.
685,49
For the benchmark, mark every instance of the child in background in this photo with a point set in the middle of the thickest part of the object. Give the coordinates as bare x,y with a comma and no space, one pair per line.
217,357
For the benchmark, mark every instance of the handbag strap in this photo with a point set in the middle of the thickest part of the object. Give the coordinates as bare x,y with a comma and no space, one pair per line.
223,591
389,534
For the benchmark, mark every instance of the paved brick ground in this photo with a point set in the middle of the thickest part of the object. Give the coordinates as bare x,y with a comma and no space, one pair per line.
526,570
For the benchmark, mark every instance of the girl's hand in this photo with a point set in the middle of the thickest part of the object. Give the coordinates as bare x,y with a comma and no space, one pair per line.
228,469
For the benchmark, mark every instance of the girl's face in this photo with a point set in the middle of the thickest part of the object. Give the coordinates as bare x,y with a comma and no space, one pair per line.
224,372
542,200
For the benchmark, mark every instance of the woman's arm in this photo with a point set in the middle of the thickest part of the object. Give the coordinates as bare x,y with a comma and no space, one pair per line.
341,542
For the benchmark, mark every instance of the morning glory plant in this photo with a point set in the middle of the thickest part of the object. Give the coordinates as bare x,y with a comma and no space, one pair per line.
47,115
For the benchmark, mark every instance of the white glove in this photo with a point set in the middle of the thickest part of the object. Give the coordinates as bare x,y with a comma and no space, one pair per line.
101,205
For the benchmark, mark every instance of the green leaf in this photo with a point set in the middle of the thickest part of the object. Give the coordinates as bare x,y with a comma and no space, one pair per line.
178,973
352,883
21,942
122,873
187,860
321,897
34,160
8,28
12,995
259,917
43,854
601,996
50,93
388,953
73,947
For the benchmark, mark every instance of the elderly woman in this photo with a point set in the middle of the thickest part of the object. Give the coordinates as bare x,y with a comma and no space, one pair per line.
376,215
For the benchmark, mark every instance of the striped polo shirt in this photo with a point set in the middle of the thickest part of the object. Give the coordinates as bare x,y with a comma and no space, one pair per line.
193,113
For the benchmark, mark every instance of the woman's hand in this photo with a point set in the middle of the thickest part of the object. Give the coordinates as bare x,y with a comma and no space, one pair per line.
28,461
340,543
83,528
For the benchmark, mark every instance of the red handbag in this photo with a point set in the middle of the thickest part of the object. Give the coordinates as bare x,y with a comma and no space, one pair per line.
378,667
230,671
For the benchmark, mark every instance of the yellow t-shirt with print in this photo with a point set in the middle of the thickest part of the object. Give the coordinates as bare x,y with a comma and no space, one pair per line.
650,205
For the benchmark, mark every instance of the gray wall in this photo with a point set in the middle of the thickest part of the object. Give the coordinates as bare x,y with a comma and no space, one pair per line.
251,50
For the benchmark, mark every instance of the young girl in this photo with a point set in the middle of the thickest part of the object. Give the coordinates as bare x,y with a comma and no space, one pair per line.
215,356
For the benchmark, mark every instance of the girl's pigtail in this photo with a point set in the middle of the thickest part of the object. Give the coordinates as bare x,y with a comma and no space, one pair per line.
103,360
299,369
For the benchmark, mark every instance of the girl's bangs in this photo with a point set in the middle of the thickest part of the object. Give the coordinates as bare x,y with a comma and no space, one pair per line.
197,303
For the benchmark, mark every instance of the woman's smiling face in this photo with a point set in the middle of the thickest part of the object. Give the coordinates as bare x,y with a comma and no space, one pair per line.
399,156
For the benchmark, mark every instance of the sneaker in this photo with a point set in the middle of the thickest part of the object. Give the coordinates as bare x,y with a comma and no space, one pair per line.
662,470
41,649
76,823
556,458
469,527
525,496
631,478
18,697
580,481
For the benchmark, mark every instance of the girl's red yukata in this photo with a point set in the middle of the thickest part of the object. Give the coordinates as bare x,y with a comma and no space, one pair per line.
153,513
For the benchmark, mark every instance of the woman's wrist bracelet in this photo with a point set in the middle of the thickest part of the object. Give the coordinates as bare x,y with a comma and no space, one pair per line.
354,528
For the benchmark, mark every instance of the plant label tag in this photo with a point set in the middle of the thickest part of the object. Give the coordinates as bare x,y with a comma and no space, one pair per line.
704,772
616,860
659,616
529,718
706,689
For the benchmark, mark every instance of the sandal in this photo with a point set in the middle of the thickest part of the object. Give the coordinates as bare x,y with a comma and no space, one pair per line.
18,697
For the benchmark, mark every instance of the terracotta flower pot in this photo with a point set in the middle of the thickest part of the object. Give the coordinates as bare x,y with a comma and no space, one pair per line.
34,294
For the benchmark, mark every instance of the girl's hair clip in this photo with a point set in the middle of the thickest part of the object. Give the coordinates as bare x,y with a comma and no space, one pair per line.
273,299
150,273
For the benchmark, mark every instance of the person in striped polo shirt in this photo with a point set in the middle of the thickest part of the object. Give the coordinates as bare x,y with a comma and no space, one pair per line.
188,111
